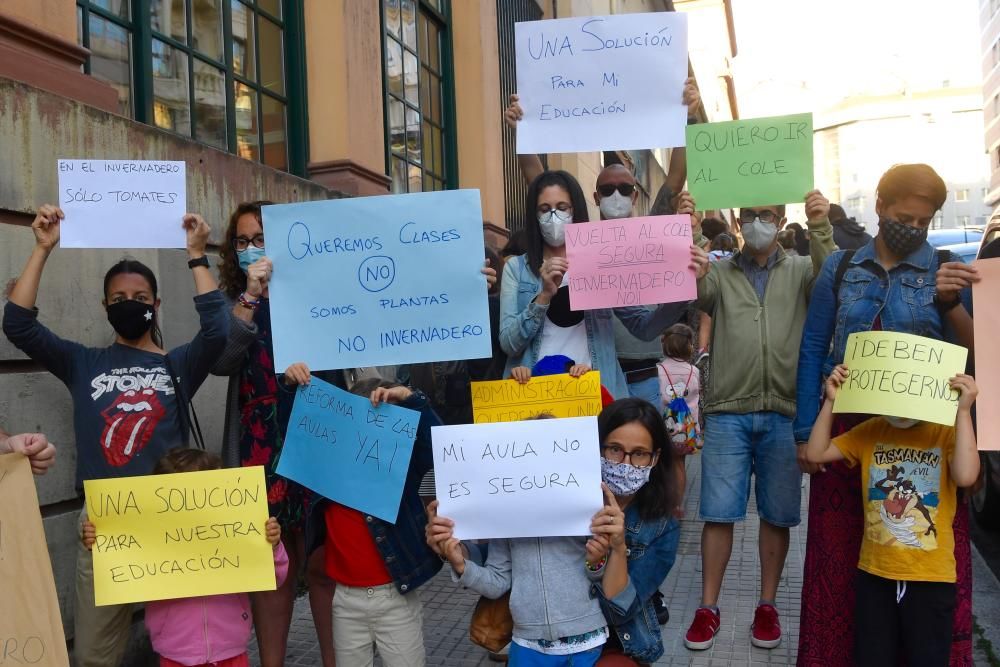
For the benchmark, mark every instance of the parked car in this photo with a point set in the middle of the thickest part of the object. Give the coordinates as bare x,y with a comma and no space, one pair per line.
967,251
943,237
986,493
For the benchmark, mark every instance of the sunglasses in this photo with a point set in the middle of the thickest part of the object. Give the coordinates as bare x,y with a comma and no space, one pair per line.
608,189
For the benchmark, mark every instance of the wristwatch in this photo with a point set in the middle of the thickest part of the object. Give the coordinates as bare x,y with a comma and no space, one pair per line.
198,261
945,306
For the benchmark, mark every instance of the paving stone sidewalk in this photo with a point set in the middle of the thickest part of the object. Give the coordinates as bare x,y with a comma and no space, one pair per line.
447,607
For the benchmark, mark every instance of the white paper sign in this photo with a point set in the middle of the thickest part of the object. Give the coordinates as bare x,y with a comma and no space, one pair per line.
602,82
536,478
122,203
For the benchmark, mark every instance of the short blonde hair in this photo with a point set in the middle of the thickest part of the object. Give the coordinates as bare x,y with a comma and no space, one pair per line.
912,180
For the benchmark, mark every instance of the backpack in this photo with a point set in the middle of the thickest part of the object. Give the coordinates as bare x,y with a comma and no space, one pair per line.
680,422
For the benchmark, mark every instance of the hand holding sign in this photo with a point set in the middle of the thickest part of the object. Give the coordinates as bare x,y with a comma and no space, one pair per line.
757,162
46,225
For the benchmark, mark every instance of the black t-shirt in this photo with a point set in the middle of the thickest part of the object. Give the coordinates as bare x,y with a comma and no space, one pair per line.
126,415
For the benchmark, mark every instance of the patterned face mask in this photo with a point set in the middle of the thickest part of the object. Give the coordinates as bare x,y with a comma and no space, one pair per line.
624,479
901,240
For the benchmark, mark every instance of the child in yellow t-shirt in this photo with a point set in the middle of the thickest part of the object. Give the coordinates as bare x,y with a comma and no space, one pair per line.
910,471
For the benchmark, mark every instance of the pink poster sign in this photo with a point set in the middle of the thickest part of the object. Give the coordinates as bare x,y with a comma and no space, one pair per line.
630,262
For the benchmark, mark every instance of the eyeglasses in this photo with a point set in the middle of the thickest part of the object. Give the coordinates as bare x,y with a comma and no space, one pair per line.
608,189
241,243
547,210
640,458
748,215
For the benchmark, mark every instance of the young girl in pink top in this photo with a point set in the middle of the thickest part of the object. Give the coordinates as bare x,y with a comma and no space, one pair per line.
679,379
210,631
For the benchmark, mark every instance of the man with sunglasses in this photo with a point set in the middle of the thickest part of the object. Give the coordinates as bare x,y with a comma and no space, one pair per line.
757,300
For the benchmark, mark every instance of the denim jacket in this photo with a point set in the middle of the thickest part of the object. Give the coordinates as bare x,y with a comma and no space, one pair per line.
521,322
403,545
902,298
652,548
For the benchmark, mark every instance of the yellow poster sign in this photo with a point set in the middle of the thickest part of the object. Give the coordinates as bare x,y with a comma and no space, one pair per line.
901,375
184,535
558,395
31,630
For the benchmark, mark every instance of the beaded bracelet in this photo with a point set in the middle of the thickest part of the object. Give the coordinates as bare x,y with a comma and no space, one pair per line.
247,303
598,566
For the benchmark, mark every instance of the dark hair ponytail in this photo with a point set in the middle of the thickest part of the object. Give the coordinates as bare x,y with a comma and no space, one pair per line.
135,266
658,497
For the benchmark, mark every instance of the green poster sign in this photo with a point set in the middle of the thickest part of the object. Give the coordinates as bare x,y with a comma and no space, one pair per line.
752,162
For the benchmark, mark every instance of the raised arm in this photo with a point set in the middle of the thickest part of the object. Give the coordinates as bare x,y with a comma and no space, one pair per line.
965,458
45,227
197,238
821,448
820,231
531,165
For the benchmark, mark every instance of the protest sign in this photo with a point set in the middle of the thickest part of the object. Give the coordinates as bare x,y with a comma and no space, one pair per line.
630,262
31,631
122,203
558,395
901,375
602,82
755,162
373,281
986,300
183,535
536,478
341,447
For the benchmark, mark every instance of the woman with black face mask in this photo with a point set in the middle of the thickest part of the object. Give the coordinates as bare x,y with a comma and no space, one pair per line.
896,282
126,409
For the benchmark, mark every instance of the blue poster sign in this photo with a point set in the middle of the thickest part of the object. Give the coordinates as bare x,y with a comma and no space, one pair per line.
378,281
342,448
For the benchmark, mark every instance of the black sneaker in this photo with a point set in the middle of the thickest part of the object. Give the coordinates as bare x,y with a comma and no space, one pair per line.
662,613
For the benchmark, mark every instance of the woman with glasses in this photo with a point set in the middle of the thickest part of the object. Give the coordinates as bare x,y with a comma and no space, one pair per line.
535,316
613,575
258,406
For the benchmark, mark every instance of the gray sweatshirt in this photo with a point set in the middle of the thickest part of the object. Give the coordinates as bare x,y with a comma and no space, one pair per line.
548,583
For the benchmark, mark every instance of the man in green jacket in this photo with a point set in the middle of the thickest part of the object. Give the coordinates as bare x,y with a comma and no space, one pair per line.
758,301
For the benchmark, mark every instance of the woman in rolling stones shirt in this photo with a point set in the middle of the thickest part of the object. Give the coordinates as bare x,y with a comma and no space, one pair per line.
126,411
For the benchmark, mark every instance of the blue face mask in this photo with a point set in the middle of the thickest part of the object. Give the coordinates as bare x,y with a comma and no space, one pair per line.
249,256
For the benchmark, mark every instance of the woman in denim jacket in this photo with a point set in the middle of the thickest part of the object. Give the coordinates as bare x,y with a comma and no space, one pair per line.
637,464
896,282
535,315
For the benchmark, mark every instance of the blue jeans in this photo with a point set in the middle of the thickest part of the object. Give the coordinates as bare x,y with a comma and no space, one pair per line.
737,445
647,390
520,656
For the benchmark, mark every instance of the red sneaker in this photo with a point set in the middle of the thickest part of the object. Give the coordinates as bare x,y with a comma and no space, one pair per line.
766,629
701,634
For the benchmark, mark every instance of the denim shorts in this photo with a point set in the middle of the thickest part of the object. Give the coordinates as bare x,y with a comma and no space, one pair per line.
737,445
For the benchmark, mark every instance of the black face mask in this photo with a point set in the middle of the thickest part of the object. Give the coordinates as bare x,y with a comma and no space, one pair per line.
130,318
901,240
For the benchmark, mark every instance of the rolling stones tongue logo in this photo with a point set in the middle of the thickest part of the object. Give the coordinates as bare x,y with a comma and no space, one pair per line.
129,424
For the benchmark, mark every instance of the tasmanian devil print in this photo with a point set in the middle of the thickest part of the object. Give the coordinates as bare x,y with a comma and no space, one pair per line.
129,423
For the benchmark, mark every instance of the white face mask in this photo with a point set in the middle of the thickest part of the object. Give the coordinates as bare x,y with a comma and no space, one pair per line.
616,206
553,224
759,235
901,422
